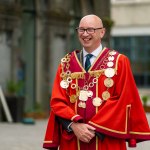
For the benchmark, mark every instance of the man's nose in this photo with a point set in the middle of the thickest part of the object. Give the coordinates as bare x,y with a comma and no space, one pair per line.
85,32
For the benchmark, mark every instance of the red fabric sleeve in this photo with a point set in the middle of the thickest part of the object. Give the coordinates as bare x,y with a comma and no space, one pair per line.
60,102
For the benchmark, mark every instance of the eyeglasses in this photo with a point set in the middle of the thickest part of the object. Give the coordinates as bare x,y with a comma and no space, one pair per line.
88,30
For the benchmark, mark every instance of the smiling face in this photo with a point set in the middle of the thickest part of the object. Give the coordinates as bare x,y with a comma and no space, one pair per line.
90,41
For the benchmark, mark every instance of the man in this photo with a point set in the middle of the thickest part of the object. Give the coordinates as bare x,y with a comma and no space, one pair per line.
95,104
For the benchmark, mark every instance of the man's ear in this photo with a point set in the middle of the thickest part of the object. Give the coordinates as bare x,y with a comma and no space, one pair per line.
102,32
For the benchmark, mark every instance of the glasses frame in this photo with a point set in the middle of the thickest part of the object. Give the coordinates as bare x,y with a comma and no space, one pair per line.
77,29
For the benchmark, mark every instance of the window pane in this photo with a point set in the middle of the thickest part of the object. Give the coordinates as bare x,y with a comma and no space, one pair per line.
137,49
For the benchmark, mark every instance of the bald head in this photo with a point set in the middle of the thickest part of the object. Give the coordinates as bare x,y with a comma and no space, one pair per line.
91,39
91,20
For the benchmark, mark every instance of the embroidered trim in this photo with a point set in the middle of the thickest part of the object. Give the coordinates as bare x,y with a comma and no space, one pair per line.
143,133
116,66
77,75
48,141
74,117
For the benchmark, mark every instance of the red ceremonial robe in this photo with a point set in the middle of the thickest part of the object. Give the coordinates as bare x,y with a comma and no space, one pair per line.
114,108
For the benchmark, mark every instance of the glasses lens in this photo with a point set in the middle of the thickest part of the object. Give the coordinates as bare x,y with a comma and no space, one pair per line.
80,30
90,30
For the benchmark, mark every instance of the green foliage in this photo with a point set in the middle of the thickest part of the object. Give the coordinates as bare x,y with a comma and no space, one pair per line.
13,87
108,23
145,100
38,107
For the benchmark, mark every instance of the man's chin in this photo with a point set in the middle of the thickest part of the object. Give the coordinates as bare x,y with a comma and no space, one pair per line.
86,46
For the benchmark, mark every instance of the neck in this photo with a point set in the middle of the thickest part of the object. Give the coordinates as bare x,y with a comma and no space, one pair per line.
89,50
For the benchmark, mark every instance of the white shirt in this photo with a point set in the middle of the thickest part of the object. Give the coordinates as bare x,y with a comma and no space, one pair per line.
95,53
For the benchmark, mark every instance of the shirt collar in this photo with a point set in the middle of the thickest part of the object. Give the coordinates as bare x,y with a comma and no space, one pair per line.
94,53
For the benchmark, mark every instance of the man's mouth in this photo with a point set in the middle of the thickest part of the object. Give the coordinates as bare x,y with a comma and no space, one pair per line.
86,39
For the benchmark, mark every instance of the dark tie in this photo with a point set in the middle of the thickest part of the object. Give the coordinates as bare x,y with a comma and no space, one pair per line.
87,62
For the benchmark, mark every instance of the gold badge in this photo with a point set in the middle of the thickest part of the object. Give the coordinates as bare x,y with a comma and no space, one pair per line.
108,82
82,104
111,58
112,53
64,84
110,64
109,72
83,95
105,95
97,101
73,98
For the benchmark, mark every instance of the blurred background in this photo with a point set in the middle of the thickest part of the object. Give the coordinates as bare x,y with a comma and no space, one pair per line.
36,34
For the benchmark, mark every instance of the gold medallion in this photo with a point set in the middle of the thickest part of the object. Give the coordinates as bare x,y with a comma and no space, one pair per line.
73,98
97,101
108,82
82,104
109,72
111,58
112,53
64,84
105,95
83,95
110,64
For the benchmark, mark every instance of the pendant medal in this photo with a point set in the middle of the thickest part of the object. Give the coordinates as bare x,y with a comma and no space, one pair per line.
83,95
110,64
112,53
64,84
109,72
105,95
82,104
97,101
73,98
108,82
111,58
